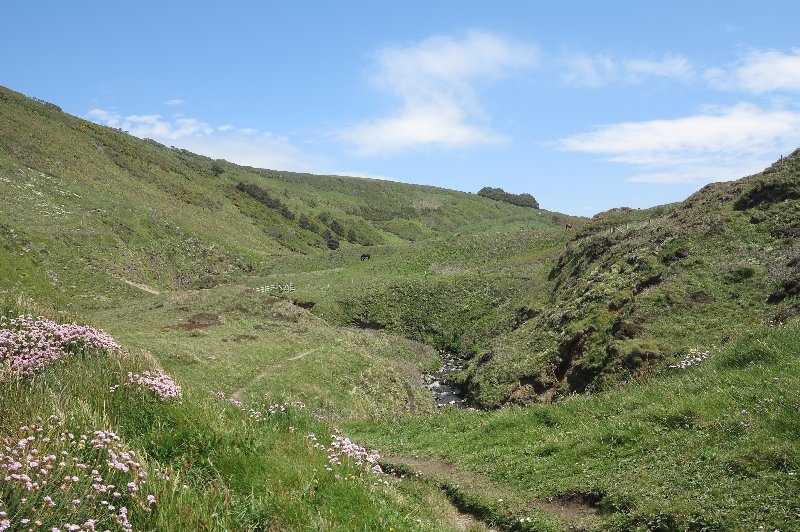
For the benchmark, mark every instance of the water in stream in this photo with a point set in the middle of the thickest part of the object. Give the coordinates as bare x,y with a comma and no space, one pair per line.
446,393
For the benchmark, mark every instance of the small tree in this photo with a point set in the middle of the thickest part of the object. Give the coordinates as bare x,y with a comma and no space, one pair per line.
330,240
217,169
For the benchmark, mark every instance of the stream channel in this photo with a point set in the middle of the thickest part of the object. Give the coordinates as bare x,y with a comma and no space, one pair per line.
446,393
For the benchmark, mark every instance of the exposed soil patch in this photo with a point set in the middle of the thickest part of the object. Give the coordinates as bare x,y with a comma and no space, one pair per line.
244,338
437,470
201,321
530,389
575,507
205,319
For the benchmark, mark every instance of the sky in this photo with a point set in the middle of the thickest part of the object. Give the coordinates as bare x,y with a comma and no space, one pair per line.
586,105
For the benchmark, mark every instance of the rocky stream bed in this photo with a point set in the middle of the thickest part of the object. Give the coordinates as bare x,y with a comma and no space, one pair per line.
445,392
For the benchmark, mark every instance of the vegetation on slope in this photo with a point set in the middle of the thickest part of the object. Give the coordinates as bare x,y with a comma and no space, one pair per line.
523,200
184,260
106,439
635,288
707,446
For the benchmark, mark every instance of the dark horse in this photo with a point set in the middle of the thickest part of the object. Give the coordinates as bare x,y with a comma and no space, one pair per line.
365,256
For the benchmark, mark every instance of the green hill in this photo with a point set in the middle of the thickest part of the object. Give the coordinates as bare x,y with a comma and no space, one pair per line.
667,332
638,288
135,209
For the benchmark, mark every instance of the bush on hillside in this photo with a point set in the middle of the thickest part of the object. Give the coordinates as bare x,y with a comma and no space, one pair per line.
498,194
263,197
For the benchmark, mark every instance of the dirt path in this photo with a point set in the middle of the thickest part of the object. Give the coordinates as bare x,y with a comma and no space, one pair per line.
141,286
303,354
573,511
237,395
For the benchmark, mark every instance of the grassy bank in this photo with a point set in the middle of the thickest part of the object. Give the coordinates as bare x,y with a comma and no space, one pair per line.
711,446
89,443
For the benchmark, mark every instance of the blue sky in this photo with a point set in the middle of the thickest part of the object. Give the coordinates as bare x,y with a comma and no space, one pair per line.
586,105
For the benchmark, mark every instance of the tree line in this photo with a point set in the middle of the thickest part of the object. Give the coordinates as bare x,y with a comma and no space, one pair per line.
498,194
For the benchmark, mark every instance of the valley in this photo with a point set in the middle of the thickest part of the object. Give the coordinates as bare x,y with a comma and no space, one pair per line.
635,370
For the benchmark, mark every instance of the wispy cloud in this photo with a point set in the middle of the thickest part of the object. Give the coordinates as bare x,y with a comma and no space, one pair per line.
174,101
760,72
246,146
152,126
597,70
586,70
435,82
260,150
721,143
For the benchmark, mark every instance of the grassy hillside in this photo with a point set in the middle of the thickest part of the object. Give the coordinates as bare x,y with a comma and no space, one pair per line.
131,208
638,288
709,446
138,446
246,287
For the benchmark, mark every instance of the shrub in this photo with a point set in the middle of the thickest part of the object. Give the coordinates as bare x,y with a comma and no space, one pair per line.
28,345
498,194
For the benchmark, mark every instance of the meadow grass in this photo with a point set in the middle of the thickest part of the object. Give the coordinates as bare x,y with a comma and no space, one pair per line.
712,446
197,461
165,249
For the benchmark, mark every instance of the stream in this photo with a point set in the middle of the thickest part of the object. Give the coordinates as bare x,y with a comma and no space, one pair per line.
446,393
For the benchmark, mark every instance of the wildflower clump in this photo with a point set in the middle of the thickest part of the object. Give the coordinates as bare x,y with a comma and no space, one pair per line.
341,447
692,357
157,382
258,415
58,480
28,345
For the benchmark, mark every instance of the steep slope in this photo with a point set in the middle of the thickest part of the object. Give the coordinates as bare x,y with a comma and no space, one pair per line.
92,205
635,290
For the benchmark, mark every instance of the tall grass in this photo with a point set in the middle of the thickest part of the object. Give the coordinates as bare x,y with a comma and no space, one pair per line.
83,449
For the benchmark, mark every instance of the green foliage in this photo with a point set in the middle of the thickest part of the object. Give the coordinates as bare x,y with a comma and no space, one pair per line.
636,287
141,239
262,196
498,194
708,446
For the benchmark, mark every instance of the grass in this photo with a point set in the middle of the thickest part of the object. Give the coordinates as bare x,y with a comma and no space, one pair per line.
209,464
165,250
265,346
712,446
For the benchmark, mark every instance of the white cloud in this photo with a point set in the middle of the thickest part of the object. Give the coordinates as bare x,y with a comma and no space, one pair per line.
152,126
436,84
724,143
246,146
760,72
636,70
586,70
418,126
260,151
174,101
